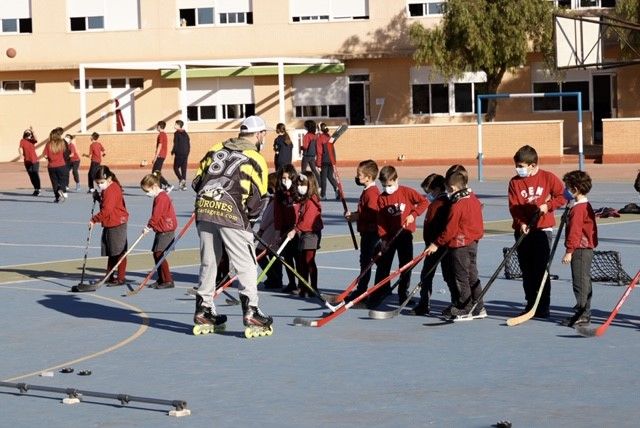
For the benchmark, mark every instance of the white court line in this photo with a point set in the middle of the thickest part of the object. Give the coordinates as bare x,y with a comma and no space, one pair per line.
85,223
8,244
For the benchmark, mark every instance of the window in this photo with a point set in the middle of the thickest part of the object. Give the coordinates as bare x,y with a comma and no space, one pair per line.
112,15
220,99
194,13
425,7
575,81
319,96
432,94
202,112
18,86
112,83
328,10
15,16
578,4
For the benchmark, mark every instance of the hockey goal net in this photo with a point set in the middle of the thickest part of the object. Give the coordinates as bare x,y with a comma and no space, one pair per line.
605,267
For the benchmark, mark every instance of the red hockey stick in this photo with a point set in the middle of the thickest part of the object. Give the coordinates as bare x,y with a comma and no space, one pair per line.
599,331
342,309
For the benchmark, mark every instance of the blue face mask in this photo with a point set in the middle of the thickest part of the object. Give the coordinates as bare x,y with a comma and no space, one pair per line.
567,195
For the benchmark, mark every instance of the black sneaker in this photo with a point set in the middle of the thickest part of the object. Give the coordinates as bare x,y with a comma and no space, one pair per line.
165,285
576,319
36,192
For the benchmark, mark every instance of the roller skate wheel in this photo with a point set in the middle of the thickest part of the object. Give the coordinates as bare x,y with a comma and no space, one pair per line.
248,333
196,330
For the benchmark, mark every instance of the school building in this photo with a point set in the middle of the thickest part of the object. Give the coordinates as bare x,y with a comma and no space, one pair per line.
119,66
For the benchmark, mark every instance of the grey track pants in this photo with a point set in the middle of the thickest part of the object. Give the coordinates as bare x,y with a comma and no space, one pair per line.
240,248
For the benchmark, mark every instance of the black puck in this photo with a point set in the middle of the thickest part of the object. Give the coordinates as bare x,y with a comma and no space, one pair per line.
84,372
66,370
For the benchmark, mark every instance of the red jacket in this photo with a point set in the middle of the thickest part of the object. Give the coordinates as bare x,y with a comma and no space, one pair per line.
285,212
322,145
582,231
395,208
526,194
435,220
307,148
29,150
56,160
96,151
163,216
464,223
368,210
163,142
74,153
113,211
310,215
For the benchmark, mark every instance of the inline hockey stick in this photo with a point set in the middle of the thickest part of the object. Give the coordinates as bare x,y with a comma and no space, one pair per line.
302,279
342,309
86,248
501,266
124,256
166,253
531,312
383,315
337,298
263,274
341,130
599,331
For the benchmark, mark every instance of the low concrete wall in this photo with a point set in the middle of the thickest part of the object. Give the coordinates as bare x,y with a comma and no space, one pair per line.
414,144
621,140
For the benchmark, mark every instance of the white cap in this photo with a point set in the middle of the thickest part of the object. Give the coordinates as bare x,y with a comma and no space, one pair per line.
253,124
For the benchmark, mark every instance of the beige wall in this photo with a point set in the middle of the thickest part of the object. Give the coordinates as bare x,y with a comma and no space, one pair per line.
621,140
414,144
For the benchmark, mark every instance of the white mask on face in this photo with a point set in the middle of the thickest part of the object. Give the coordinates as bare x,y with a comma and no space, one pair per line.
286,183
152,193
390,189
302,190
522,171
103,186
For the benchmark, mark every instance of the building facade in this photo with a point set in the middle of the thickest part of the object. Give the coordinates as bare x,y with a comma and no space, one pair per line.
359,71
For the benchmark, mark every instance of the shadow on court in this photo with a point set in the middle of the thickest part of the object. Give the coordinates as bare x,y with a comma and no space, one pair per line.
77,307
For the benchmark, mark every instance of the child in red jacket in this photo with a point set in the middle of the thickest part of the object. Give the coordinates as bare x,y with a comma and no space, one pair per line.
580,240
114,216
435,220
367,218
398,208
461,234
163,222
308,228
285,213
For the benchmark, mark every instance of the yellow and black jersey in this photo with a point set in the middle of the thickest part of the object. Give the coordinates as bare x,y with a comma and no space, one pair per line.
231,184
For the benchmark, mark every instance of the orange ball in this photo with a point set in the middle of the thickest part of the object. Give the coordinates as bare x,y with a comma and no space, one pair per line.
11,52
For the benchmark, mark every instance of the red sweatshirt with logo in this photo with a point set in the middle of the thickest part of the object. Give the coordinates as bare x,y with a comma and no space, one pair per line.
393,209
526,194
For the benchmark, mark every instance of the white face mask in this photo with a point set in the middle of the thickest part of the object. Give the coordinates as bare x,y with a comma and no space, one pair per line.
522,171
152,193
302,190
390,189
103,186
286,183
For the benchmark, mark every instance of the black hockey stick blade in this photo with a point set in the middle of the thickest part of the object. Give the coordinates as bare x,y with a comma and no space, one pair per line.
384,315
338,132
304,322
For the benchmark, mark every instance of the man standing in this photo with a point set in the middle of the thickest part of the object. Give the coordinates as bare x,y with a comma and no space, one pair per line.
231,186
181,148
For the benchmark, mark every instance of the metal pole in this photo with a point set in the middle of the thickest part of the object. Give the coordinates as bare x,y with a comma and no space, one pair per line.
183,93
479,136
281,102
83,99
580,136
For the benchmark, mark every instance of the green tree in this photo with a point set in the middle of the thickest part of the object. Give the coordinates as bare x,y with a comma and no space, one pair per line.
485,35
629,10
